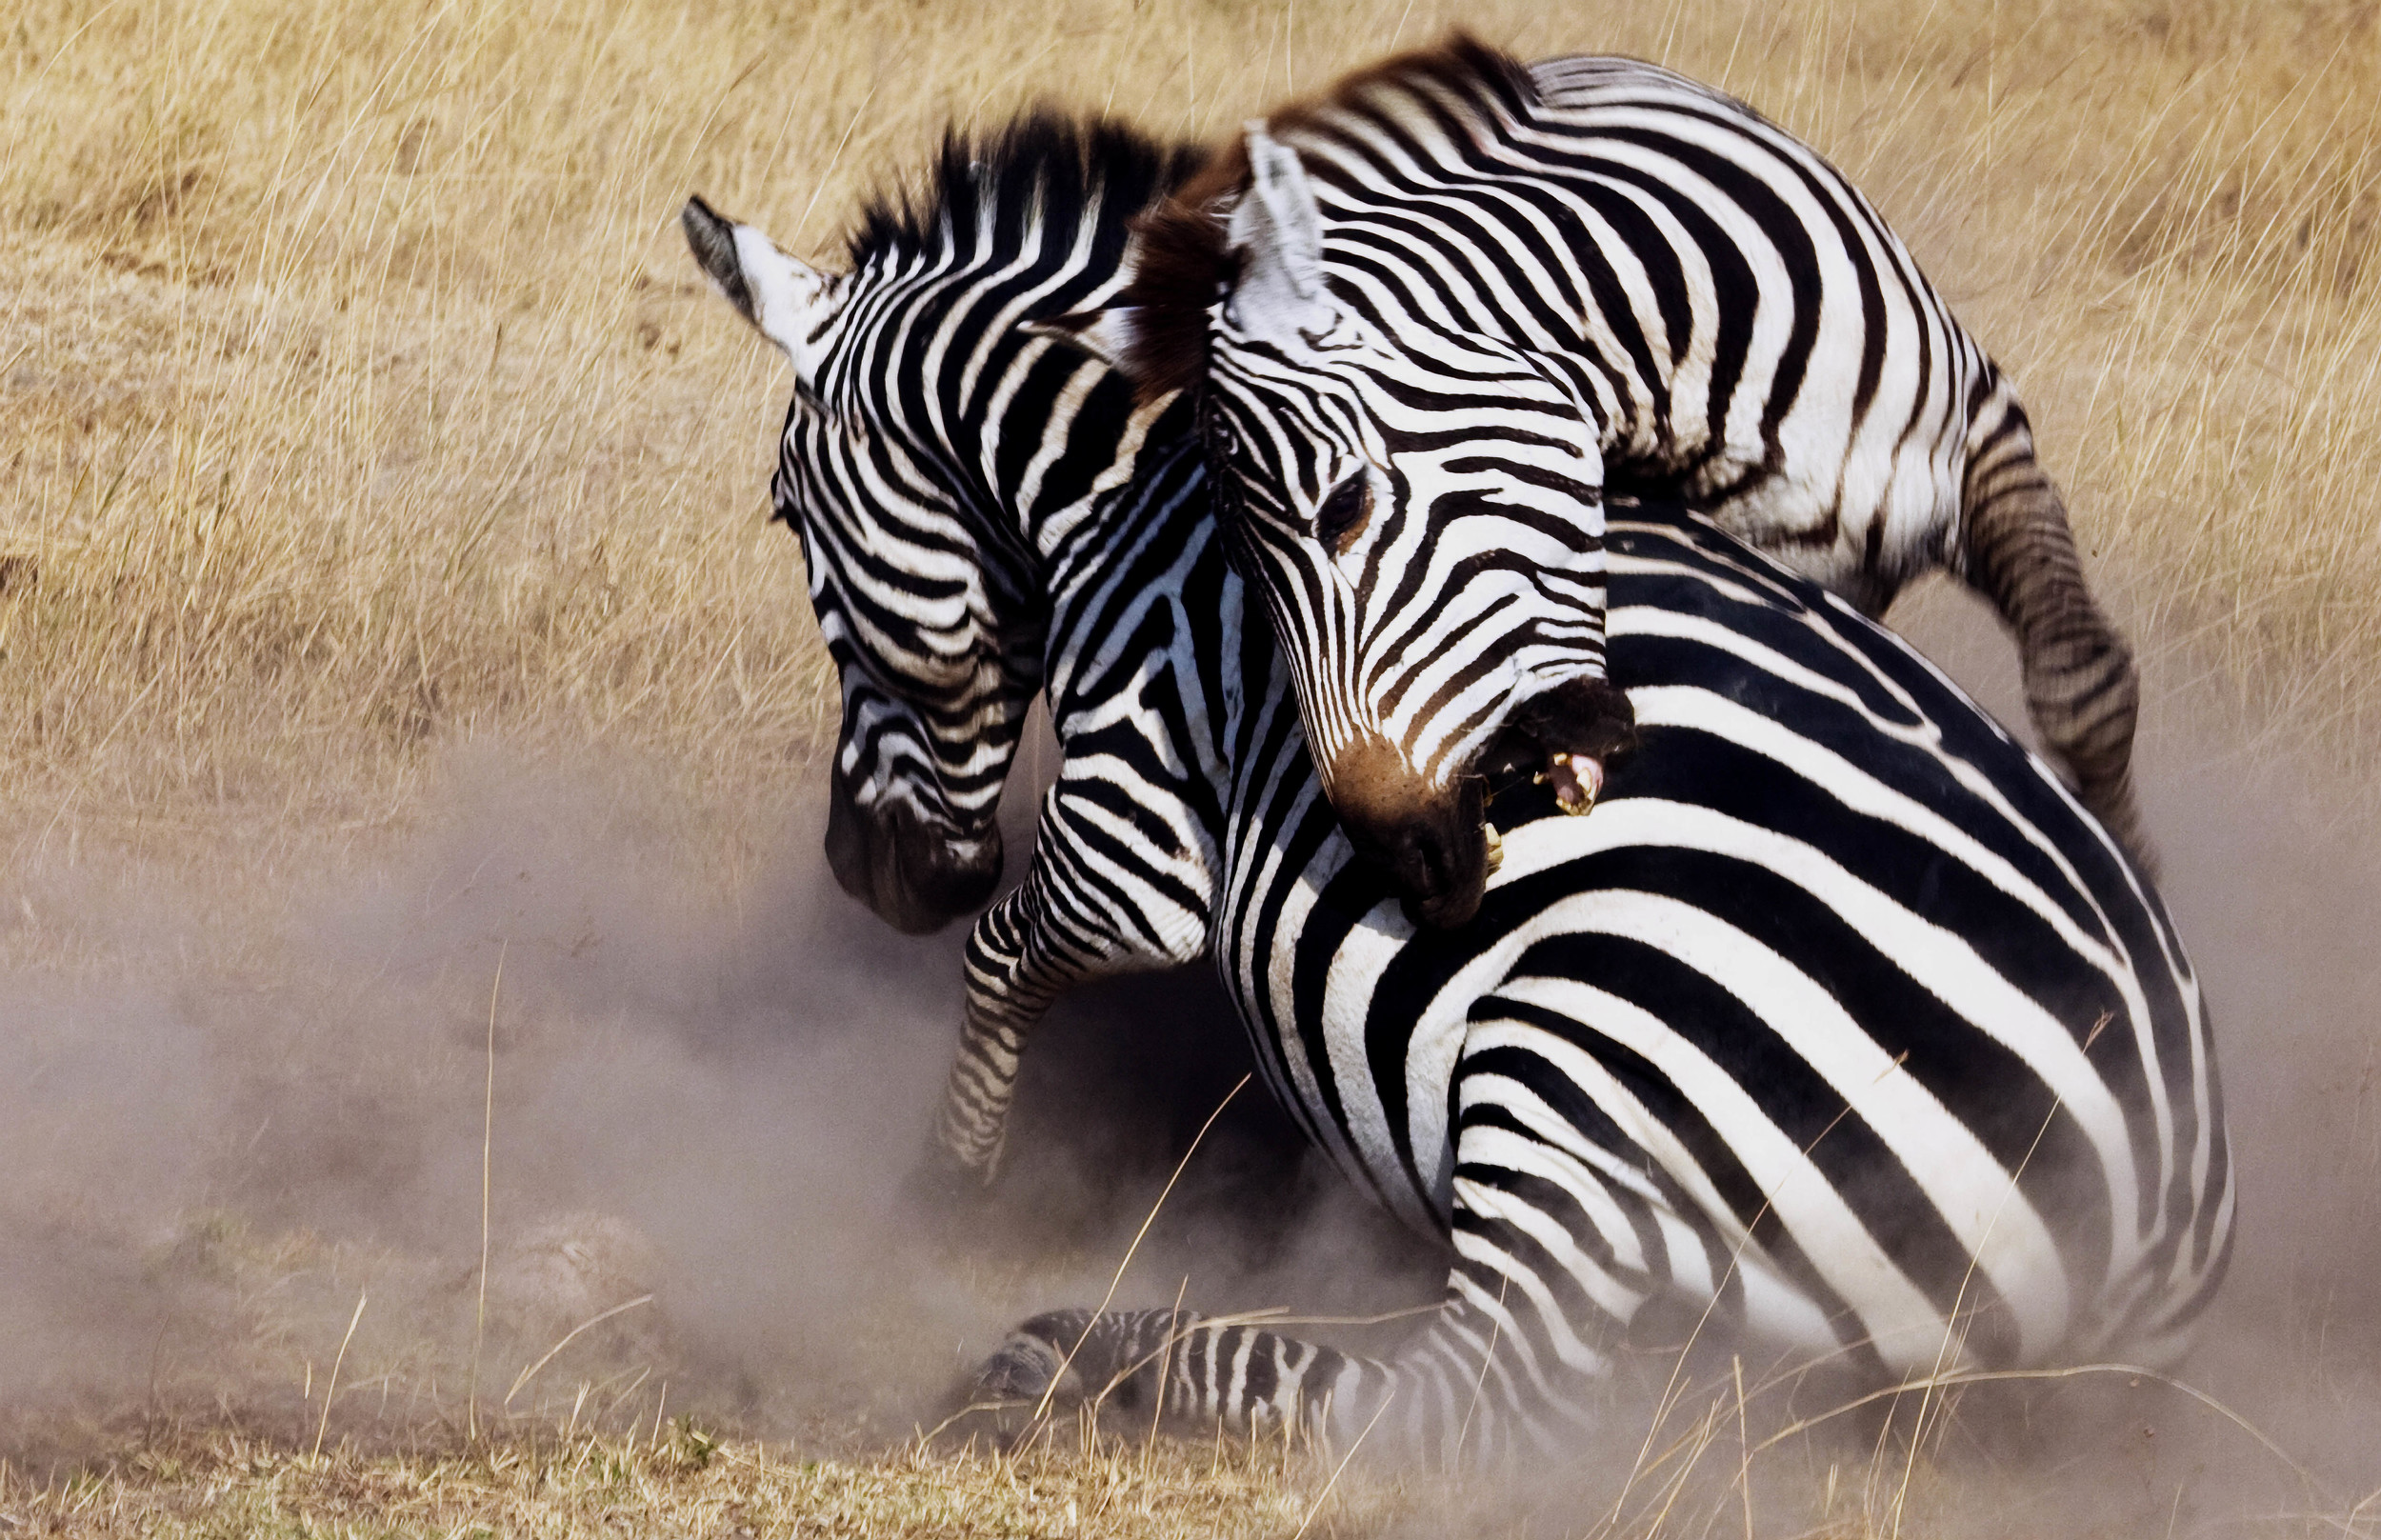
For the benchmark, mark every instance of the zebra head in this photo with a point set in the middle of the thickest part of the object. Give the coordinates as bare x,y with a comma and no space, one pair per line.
1421,507
935,657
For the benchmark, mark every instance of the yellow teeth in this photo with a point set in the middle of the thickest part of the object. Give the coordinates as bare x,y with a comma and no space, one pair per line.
1496,846
1576,781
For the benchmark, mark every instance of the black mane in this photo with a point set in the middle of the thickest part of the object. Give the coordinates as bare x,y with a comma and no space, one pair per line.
1183,265
1043,169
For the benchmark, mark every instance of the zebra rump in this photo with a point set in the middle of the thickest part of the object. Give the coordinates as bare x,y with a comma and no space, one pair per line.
1841,1023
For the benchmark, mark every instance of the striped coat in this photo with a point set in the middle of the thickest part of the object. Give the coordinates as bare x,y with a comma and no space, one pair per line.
1841,1019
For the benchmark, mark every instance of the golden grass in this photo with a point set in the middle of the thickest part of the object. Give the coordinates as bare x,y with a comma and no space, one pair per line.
681,1480
1701,1476
359,394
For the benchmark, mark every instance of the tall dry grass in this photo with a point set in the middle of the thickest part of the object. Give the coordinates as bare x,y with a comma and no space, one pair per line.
357,393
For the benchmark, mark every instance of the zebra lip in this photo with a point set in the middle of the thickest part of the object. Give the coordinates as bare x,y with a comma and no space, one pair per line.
1577,780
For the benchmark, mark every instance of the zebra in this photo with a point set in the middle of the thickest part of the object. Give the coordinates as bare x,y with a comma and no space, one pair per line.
1440,312
1842,1022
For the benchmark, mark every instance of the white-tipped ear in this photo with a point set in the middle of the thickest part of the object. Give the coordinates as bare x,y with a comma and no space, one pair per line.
1106,333
777,294
1279,231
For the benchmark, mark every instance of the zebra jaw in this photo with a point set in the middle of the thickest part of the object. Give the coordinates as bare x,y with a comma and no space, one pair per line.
1577,780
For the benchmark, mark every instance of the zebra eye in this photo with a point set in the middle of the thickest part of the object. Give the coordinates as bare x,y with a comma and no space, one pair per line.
1345,509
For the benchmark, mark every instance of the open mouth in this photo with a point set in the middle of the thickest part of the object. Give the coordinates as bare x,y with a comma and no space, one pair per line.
1577,780
1564,739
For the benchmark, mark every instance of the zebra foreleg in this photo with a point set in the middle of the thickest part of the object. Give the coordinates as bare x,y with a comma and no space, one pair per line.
1467,1392
1208,1372
1010,984
1000,1014
1509,1364
1057,928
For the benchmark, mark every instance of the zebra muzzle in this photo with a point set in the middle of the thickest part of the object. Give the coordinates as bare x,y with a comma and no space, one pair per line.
1577,780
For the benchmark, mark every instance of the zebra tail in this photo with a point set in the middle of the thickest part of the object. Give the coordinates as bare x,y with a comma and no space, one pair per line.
2018,550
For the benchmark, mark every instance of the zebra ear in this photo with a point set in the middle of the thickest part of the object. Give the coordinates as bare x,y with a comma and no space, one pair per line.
1277,229
1106,333
780,296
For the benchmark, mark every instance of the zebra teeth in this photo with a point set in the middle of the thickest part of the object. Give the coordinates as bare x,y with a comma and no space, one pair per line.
1577,780
1496,846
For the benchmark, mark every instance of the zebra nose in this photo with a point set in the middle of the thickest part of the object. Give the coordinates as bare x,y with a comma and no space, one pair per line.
915,875
1443,873
1429,841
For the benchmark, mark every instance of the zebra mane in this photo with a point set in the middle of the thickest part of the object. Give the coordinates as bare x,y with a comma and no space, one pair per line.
1037,179
1182,262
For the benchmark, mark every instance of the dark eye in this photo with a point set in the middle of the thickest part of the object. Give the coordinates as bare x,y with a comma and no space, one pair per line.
1345,511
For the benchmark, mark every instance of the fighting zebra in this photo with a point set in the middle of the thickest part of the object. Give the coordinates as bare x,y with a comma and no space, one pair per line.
1440,312
1841,1022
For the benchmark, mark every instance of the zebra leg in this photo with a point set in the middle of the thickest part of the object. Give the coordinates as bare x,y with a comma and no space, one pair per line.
1018,962
2018,550
1009,988
1054,930
1484,1380
1209,1372
1560,1236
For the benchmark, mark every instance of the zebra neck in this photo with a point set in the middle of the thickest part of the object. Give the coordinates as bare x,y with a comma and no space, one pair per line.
1079,482
1145,648
1132,521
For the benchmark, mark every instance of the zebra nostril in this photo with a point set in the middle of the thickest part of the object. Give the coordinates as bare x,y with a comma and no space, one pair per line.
1443,871
1427,865
1428,841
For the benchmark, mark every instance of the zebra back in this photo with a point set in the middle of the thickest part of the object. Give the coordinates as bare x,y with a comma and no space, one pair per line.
1439,312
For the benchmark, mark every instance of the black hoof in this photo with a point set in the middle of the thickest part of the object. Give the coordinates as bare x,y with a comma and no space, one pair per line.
1037,1363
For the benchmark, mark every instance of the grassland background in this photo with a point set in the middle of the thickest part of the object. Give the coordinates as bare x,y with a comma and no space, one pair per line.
359,393
360,414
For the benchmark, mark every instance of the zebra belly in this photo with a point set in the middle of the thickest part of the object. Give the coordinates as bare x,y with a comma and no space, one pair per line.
1858,542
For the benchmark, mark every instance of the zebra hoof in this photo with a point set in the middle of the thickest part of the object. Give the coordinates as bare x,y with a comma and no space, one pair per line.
944,1190
1033,1367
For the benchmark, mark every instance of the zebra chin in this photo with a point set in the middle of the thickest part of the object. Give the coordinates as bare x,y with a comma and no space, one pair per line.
915,875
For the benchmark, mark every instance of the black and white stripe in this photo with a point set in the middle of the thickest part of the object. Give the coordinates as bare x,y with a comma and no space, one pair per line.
1451,303
1840,1018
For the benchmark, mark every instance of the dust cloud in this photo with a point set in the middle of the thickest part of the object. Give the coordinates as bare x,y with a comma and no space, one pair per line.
230,1115
237,1099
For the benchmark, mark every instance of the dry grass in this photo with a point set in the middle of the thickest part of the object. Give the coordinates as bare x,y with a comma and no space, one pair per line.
681,1480
359,395
1698,1475
357,400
